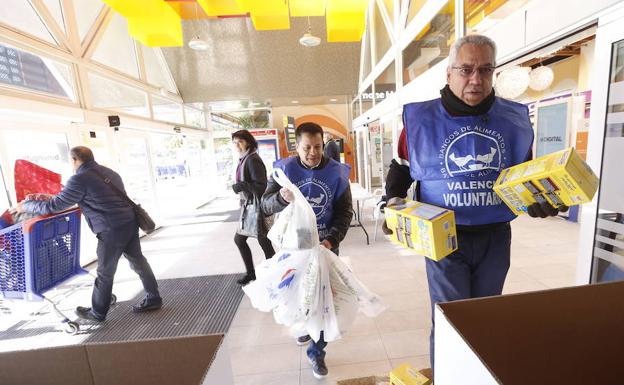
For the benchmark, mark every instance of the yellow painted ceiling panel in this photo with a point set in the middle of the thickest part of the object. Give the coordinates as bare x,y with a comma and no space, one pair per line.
221,7
307,8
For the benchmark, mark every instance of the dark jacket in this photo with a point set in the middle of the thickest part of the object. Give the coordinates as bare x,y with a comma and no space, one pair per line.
252,185
254,177
272,203
332,150
102,207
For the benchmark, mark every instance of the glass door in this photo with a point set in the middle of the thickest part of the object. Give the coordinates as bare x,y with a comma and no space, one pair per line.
136,169
608,252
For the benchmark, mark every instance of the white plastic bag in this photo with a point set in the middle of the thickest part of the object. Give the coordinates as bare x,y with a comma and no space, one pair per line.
295,226
307,286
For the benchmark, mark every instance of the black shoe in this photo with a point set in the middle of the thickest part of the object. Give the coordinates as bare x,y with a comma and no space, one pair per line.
319,369
148,304
246,279
303,340
87,314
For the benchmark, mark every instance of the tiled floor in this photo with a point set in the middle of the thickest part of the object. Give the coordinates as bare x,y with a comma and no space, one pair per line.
263,353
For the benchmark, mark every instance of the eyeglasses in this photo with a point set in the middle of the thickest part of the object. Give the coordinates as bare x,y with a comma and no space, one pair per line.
466,71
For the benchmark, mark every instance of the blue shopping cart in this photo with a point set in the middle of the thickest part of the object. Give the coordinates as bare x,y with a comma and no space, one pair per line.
38,254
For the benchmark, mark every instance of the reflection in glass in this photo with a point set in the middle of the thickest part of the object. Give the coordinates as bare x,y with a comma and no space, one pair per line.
367,99
608,261
23,69
431,45
194,117
414,7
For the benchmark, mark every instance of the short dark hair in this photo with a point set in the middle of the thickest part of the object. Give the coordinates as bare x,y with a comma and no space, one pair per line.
308,128
81,153
247,137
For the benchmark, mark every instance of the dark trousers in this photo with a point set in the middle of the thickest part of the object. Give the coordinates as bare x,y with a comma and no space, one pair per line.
123,239
245,251
477,269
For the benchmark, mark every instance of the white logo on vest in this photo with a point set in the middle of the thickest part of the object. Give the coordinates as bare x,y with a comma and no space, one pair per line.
472,153
318,194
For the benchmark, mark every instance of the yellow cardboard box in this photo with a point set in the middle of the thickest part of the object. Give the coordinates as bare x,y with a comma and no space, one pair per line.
407,375
561,178
427,229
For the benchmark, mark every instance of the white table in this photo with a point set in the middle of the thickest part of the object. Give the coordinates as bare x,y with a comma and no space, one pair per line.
359,194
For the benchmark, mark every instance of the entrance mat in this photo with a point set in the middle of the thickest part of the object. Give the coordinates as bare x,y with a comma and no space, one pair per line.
191,306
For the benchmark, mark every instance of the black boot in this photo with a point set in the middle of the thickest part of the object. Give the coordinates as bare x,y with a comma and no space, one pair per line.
246,279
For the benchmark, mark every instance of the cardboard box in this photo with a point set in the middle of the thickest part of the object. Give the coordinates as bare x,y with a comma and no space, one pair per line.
427,229
563,336
407,375
198,360
560,178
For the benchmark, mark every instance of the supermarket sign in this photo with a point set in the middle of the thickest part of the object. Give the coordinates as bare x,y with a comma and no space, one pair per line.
270,132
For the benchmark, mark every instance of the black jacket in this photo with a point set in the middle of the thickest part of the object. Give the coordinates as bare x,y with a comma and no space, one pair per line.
254,177
102,207
332,150
272,202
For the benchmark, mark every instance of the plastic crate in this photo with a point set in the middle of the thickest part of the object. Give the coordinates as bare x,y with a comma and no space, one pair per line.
39,254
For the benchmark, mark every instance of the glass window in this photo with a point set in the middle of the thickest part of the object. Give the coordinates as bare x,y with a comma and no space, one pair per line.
390,10
243,119
167,110
21,15
382,37
4,193
385,84
55,8
97,141
135,166
194,117
366,67
388,147
112,95
46,149
367,99
86,13
414,7
26,70
116,49
156,69
431,45
608,261
224,154
480,15
376,147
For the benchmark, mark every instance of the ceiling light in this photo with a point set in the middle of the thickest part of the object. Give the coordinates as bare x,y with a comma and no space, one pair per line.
512,82
295,102
333,100
198,44
309,40
541,78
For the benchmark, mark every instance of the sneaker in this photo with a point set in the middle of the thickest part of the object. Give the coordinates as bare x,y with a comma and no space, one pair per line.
148,304
87,314
303,340
319,369
246,279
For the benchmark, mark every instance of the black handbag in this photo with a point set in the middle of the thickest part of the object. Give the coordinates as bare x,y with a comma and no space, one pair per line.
145,222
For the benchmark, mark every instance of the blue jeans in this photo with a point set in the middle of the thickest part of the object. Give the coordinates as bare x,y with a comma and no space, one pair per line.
123,239
477,269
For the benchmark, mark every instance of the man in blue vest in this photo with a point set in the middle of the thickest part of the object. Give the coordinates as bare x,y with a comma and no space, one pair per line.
455,148
325,184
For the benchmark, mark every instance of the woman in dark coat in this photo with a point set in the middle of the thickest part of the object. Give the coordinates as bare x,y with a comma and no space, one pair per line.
251,181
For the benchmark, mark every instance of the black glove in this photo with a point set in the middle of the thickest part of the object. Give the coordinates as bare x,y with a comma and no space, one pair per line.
237,187
545,209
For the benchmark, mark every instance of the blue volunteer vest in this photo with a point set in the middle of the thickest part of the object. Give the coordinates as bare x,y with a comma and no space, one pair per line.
457,159
320,187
